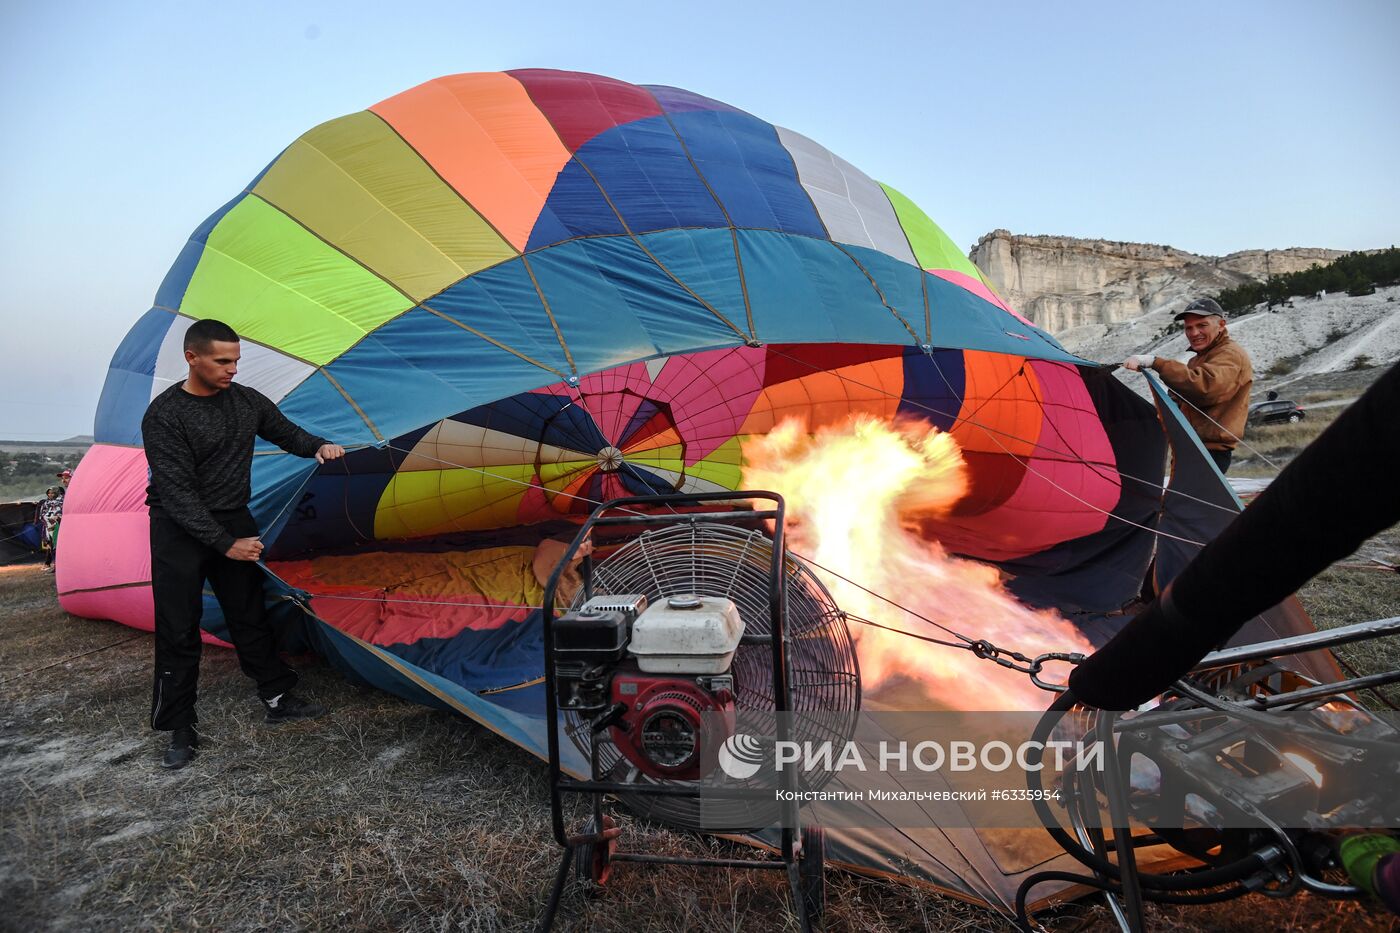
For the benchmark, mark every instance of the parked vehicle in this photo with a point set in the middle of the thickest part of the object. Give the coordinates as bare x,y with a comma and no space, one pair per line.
1276,411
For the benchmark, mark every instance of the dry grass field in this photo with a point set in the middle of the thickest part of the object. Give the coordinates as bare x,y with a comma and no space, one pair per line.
1267,448
390,816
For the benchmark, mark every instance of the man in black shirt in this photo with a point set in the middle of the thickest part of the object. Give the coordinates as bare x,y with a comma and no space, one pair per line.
198,437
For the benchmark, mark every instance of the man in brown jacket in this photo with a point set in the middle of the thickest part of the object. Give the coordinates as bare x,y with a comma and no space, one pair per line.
1214,385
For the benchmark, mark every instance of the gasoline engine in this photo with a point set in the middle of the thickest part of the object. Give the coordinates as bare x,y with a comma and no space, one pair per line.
656,675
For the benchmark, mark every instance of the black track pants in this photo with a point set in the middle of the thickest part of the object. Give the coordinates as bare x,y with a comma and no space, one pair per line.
179,567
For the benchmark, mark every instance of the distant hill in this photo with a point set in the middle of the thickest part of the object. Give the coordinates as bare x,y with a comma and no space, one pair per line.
1064,282
76,442
1332,335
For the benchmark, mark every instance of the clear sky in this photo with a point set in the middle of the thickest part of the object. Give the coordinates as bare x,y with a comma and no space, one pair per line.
1209,126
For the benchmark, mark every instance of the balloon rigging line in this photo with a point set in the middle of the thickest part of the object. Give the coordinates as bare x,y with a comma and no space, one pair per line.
1078,458
992,434
899,631
630,512
981,648
1162,489
75,657
311,474
886,599
1238,439
803,557
390,599
970,642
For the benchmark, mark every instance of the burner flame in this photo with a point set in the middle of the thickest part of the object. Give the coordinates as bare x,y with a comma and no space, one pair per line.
856,493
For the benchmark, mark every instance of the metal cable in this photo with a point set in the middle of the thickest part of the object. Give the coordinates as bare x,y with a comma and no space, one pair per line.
1025,463
1238,439
803,557
980,647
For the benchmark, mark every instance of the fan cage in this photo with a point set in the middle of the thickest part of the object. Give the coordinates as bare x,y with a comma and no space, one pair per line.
711,559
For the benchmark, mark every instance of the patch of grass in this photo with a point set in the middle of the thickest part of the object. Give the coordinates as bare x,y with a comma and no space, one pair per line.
384,815
1268,448
1355,590
1285,365
29,489
1281,442
1324,395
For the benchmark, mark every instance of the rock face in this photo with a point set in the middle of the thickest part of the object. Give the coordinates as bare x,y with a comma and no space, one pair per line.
1334,341
1064,282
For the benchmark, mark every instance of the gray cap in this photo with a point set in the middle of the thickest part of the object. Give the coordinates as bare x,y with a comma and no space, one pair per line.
1203,307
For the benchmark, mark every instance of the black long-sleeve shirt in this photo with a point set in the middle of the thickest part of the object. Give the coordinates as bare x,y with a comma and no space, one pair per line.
1338,492
200,451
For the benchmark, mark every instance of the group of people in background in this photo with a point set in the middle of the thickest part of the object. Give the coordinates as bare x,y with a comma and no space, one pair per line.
48,516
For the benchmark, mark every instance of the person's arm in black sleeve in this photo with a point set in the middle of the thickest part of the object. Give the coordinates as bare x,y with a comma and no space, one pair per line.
1338,492
172,474
279,429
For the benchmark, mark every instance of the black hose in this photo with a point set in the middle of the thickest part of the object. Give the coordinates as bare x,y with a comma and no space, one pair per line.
1209,878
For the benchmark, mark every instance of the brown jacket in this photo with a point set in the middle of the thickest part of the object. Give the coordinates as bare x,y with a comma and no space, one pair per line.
1217,382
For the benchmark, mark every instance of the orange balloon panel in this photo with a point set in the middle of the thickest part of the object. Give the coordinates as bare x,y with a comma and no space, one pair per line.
487,139
1001,411
830,397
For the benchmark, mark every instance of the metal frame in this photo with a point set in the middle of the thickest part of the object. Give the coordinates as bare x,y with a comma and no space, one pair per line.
790,851
1124,887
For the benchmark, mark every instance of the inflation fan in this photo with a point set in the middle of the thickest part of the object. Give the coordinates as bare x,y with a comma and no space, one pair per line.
699,629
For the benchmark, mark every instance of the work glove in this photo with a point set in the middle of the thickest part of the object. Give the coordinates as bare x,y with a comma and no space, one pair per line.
1372,860
1141,361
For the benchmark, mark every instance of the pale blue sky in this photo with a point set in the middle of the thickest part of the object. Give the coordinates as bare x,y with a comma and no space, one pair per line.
1212,127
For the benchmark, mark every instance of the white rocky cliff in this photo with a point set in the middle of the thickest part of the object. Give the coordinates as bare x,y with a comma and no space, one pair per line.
1065,282
1302,337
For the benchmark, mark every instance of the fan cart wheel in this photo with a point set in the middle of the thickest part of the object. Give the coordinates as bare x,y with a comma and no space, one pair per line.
593,860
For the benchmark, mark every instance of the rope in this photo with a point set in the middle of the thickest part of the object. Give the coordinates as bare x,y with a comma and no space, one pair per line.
75,657
296,497
1238,440
887,600
389,599
899,631
13,537
981,647
413,602
952,416
1094,466
992,433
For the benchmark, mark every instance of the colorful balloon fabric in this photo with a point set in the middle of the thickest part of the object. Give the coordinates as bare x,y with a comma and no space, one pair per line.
518,294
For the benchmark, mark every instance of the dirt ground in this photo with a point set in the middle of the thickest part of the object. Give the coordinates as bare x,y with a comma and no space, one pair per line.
384,815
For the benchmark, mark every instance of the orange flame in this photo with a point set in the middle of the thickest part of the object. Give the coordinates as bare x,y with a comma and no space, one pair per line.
855,492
